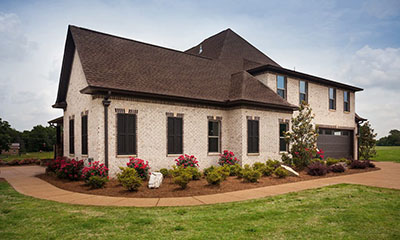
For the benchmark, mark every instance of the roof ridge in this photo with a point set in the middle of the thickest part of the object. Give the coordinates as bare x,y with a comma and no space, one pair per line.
136,41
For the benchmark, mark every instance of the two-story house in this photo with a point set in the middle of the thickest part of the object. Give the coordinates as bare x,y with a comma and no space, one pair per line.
126,98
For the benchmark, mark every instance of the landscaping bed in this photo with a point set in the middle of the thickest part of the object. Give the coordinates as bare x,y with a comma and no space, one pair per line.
194,188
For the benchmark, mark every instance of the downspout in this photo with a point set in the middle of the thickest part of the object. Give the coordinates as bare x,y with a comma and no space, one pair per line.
106,104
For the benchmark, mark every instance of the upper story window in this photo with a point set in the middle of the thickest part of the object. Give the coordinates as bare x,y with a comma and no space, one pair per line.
175,136
71,136
332,98
214,136
346,101
303,91
126,134
281,86
253,136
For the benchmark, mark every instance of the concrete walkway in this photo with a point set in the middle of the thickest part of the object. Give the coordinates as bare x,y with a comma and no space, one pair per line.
23,180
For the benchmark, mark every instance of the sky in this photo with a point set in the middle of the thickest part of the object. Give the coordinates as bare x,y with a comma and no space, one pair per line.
355,42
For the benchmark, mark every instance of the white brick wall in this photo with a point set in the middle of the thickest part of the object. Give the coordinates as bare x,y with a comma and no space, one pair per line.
319,101
152,124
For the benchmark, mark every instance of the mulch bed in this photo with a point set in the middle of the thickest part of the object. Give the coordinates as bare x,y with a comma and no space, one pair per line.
2,180
194,188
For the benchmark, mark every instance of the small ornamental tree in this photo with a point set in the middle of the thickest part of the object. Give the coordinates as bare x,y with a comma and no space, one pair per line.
227,158
367,141
303,138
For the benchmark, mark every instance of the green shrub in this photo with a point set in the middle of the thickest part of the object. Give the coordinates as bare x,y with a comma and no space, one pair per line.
234,170
330,161
196,174
273,163
259,166
251,175
129,178
214,177
224,171
97,181
280,172
165,172
318,160
207,170
182,177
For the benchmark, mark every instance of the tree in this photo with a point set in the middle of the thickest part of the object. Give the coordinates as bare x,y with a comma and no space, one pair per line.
393,139
302,139
367,141
39,138
5,135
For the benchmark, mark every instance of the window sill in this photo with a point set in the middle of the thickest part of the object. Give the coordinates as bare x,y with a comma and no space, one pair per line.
346,112
253,154
174,154
332,110
71,155
283,152
213,154
84,155
126,156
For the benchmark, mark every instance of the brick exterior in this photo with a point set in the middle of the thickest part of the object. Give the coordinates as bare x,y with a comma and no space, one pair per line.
152,124
319,102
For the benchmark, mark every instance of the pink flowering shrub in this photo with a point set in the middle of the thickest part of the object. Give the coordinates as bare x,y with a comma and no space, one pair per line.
320,154
70,169
187,161
227,158
54,165
94,169
141,167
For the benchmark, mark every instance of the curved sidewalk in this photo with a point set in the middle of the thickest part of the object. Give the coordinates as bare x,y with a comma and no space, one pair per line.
23,180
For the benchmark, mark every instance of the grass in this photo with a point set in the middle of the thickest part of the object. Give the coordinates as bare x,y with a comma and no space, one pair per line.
35,155
335,212
387,153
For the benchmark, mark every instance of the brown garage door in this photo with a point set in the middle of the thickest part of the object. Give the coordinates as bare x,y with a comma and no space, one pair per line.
336,143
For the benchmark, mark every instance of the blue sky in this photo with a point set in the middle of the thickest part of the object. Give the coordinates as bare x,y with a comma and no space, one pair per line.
356,42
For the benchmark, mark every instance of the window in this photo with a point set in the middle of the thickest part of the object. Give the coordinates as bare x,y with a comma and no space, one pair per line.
283,146
214,136
252,136
346,100
71,137
126,136
332,98
303,91
175,135
281,86
84,132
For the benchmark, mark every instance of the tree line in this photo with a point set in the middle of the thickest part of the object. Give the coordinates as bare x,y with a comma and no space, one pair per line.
40,138
393,139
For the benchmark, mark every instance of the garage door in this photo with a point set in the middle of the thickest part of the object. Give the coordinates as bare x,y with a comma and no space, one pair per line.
336,143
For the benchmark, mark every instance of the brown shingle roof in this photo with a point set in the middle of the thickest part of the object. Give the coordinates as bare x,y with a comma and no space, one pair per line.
232,50
120,64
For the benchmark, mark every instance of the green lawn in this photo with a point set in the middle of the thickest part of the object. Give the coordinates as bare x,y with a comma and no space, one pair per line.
335,212
35,155
385,153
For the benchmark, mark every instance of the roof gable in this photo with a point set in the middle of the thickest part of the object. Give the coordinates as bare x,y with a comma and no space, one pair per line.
231,50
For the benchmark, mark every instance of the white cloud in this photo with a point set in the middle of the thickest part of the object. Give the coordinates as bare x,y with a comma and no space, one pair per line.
378,72
14,45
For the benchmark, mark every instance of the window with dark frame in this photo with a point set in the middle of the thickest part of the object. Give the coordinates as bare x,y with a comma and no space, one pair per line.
175,137
84,134
281,86
71,137
332,98
283,145
303,91
126,134
253,136
346,101
214,138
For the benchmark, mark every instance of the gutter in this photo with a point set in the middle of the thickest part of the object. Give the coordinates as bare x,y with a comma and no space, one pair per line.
106,104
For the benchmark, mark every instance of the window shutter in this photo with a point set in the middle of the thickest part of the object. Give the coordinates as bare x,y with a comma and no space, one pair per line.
131,133
178,135
71,137
121,134
84,132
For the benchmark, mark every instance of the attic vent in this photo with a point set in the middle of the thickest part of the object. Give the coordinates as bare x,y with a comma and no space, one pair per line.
201,49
